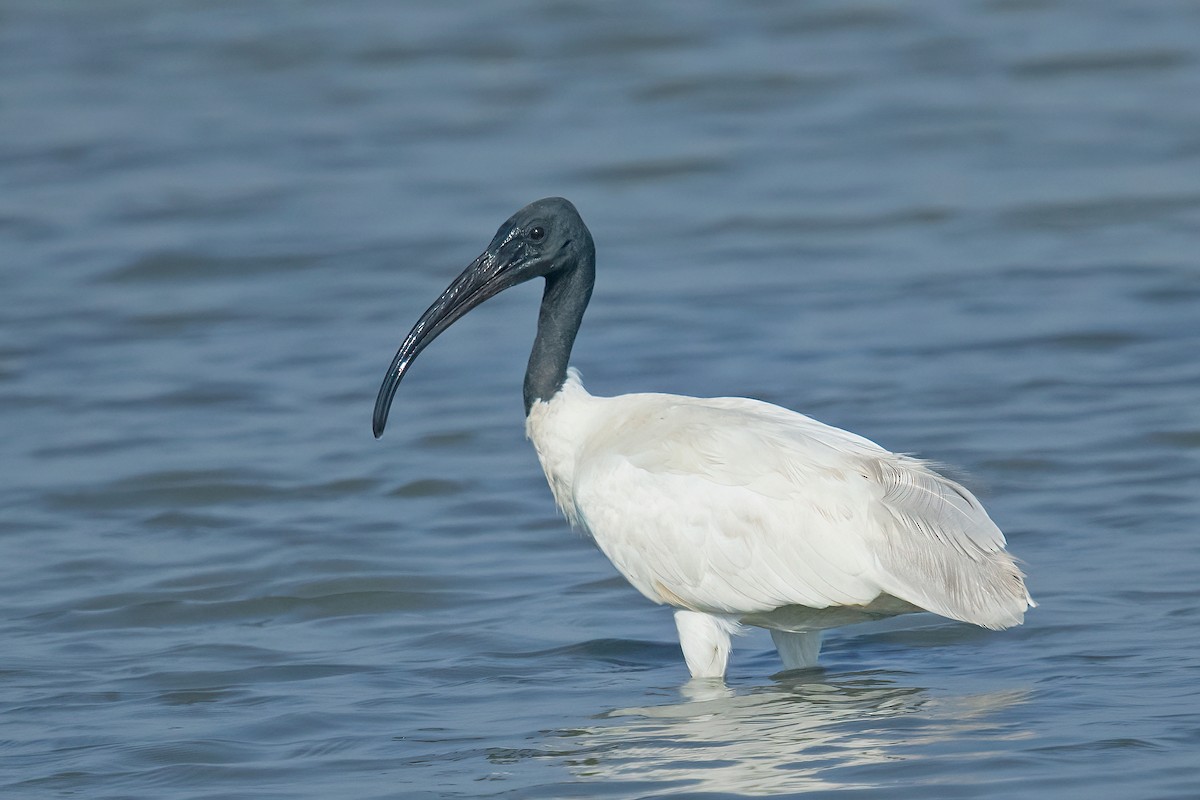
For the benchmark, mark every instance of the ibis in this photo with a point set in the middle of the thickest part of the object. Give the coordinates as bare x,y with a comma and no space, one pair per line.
729,510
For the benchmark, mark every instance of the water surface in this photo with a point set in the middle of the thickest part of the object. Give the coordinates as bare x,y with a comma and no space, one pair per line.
964,231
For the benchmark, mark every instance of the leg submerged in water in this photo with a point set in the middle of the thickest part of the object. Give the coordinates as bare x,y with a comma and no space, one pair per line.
797,650
705,642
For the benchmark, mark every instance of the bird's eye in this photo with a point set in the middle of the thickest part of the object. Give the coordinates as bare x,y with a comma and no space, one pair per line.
537,234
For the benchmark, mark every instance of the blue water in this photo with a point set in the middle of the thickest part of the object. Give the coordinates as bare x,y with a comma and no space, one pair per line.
968,231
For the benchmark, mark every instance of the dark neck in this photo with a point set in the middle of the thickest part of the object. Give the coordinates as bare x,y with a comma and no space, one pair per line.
563,303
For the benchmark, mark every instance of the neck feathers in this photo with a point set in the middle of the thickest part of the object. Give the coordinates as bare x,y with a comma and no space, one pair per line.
563,303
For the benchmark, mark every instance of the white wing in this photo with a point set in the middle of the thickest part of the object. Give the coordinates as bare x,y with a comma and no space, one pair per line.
736,506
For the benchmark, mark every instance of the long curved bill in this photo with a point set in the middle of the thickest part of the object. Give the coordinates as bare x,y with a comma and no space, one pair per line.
484,278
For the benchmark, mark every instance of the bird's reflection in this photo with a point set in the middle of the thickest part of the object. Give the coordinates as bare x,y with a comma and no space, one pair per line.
803,731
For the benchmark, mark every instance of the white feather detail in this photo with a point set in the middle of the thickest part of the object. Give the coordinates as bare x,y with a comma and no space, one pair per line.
737,507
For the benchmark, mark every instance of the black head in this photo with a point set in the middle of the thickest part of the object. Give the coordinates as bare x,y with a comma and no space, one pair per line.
545,239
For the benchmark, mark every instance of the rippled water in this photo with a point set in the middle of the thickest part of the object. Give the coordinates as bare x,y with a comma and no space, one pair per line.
968,231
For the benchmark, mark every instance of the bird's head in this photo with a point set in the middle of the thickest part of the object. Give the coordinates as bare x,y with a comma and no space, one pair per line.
545,239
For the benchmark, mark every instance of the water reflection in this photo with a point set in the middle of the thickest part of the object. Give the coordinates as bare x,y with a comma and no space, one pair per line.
800,732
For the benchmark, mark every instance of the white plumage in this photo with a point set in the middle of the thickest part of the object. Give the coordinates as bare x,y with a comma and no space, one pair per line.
747,512
730,510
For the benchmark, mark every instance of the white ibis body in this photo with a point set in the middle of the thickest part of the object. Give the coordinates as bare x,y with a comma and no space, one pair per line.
732,511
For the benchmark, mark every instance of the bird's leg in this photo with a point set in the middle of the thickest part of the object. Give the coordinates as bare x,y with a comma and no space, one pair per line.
705,642
798,650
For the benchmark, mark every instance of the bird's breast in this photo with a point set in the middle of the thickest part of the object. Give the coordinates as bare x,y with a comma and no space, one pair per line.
559,429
